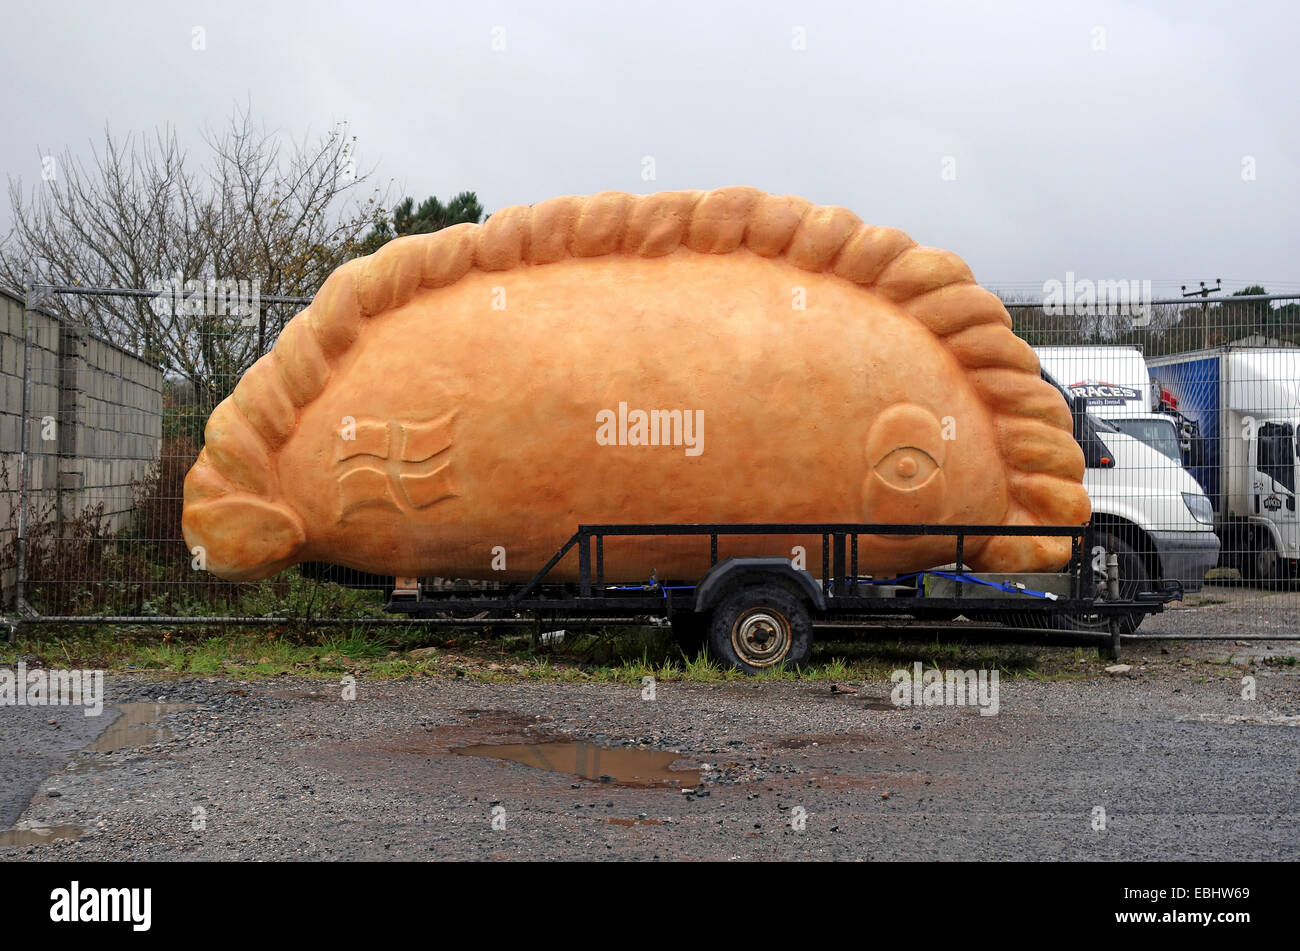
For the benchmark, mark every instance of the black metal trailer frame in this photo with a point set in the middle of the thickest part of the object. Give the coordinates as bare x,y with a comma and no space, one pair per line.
840,594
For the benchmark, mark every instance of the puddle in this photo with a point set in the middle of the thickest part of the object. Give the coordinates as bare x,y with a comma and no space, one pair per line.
39,835
621,767
879,705
135,726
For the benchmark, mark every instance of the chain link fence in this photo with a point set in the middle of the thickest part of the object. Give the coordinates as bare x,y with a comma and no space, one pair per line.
1194,404
1191,448
95,459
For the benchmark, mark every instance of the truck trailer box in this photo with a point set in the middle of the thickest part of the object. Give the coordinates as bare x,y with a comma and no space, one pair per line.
1245,404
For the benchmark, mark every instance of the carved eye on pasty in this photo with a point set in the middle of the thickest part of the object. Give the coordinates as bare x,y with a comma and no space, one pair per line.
907,468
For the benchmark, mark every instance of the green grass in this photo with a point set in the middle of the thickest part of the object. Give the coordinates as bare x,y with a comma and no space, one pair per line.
1285,660
611,655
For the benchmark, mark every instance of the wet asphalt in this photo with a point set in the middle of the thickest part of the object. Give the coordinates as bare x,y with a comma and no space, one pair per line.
1163,761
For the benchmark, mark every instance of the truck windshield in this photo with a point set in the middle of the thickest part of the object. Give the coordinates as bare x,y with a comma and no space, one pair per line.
1159,434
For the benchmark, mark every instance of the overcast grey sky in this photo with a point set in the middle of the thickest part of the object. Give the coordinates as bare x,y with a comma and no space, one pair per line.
1104,138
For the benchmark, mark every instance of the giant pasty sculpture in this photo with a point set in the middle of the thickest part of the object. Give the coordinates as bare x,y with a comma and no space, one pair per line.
457,403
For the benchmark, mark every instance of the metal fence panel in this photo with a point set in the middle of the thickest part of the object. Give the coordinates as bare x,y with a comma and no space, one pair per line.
1197,405
1212,384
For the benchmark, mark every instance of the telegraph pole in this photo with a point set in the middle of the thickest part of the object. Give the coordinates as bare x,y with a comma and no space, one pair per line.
1205,308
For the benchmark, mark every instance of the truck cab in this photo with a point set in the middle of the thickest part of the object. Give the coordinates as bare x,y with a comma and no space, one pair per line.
1268,497
1119,389
1153,505
1145,505
1156,430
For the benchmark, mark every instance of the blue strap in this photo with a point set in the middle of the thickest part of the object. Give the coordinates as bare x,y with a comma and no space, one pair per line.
651,584
1007,586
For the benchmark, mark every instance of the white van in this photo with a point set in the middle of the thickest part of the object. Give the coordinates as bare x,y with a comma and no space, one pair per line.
1116,382
1147,509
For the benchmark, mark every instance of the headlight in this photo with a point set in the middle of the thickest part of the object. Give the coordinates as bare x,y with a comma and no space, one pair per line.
1199,506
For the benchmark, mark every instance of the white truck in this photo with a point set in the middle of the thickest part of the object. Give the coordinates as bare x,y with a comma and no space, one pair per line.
1148,509
1245,405
1117,384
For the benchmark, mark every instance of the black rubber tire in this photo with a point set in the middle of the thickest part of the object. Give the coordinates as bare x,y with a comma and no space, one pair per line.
1133,578
691,631
1237,553
1244,555
750,604
1261,564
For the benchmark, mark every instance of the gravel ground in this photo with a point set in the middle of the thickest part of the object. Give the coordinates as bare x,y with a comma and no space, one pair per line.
286,769
1229,610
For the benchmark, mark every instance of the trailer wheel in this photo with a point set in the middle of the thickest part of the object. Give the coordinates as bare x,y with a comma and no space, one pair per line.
1133,578
756,628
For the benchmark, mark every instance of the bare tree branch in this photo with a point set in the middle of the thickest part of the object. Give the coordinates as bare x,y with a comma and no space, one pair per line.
141,211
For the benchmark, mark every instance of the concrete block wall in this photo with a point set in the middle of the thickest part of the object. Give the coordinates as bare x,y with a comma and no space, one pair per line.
110,424
43,473
95,424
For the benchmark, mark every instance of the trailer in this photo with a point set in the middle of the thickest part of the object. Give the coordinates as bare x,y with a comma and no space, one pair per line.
758,612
